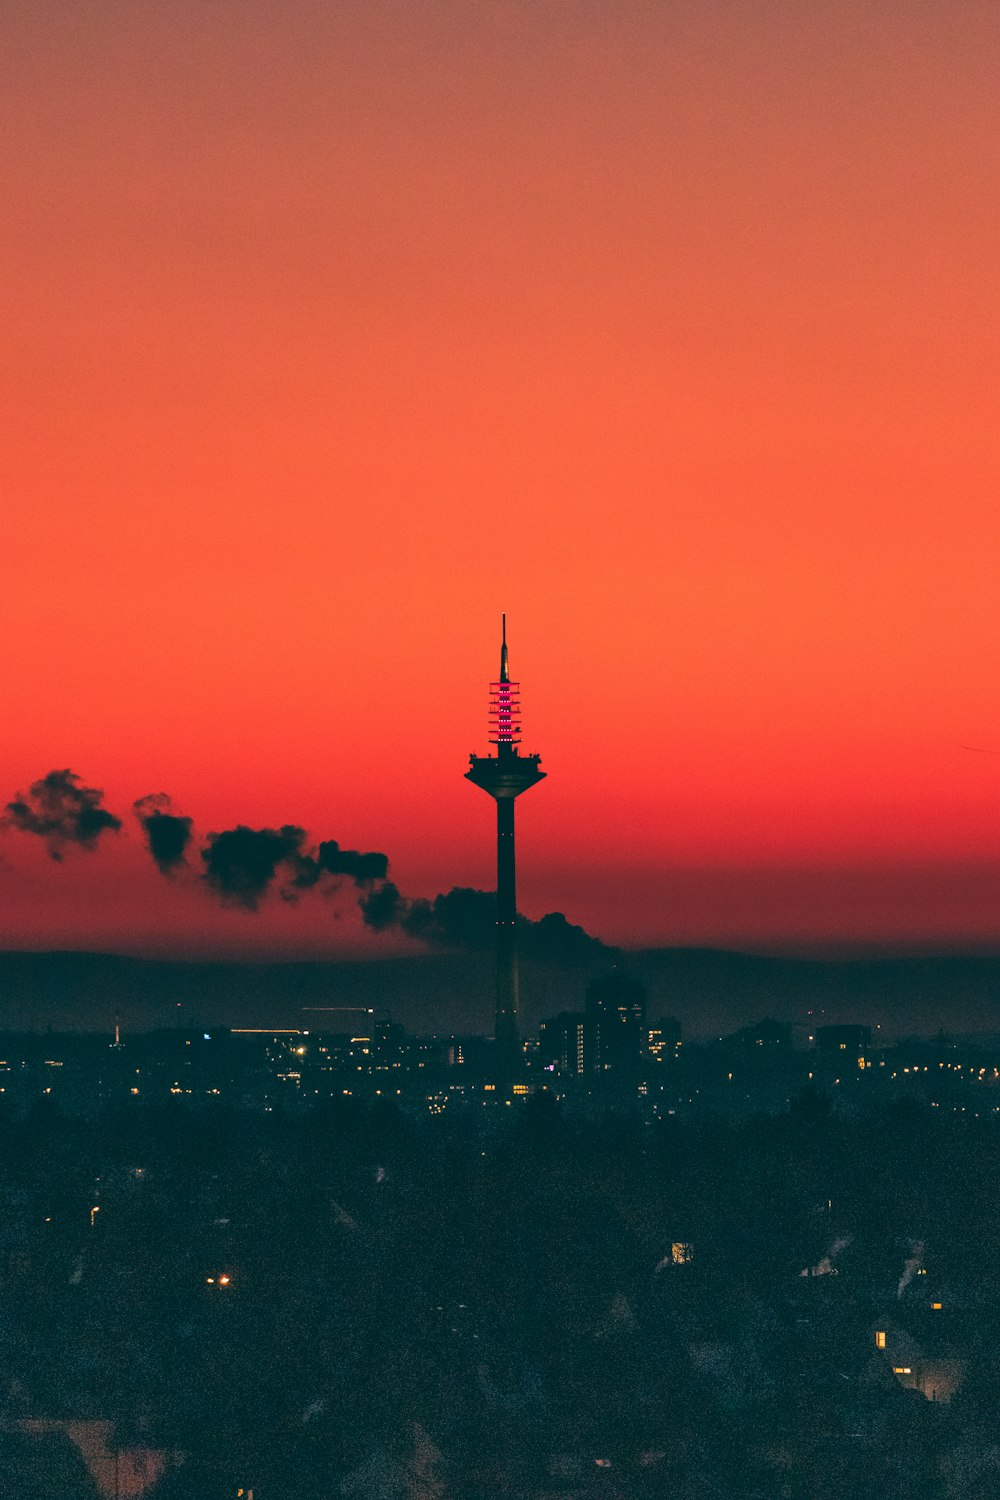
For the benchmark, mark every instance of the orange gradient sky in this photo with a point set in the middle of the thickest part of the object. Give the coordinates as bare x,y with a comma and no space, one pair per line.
668,326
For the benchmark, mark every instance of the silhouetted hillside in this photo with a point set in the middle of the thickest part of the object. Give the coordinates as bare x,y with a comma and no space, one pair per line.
709,991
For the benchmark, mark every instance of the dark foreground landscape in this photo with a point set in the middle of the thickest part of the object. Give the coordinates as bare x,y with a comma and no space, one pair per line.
357,1301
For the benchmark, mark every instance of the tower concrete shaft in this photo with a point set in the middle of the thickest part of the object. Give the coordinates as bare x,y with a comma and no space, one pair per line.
504,776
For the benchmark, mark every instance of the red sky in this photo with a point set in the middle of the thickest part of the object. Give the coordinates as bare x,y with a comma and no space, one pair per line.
670,328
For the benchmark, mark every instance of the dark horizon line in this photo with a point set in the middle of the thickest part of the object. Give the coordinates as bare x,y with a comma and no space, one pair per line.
821,951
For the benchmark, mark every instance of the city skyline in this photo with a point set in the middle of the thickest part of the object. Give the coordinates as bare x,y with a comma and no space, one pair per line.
670,332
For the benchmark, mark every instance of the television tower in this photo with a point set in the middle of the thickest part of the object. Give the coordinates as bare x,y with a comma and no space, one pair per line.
505,776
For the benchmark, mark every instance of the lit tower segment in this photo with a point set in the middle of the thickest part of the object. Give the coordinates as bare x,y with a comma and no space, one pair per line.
505,776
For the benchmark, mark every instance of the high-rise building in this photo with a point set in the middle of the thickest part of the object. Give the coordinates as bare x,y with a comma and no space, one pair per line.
562,1043
504,776
617,1036
663,1039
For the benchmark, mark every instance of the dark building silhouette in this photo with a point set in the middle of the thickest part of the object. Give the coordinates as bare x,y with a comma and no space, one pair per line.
768,1034
504,776
854,1040
562,1046
664,1038
616,1034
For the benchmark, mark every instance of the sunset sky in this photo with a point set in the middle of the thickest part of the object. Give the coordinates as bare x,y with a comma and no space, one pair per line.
335,327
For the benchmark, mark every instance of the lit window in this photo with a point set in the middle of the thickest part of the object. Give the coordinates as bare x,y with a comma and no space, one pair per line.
936,1306
880,1340
901,1370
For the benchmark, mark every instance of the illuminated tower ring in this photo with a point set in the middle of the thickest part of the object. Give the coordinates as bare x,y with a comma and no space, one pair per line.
504,776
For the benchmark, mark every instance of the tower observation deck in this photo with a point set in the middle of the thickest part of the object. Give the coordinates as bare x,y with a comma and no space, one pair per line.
504,776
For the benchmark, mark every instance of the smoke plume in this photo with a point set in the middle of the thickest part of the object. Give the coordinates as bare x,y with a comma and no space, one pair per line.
167,834
825,1266
911,1266
383,908
459,918
330,859
63,812
241,863
466,918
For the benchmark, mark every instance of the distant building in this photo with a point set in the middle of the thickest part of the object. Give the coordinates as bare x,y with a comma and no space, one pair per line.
766,1034
77,1459
472,1053
663,1038
562,1043
938,1373
832,1041
616,1035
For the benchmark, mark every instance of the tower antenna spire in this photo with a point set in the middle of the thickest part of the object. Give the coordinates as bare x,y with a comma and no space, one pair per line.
504,669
